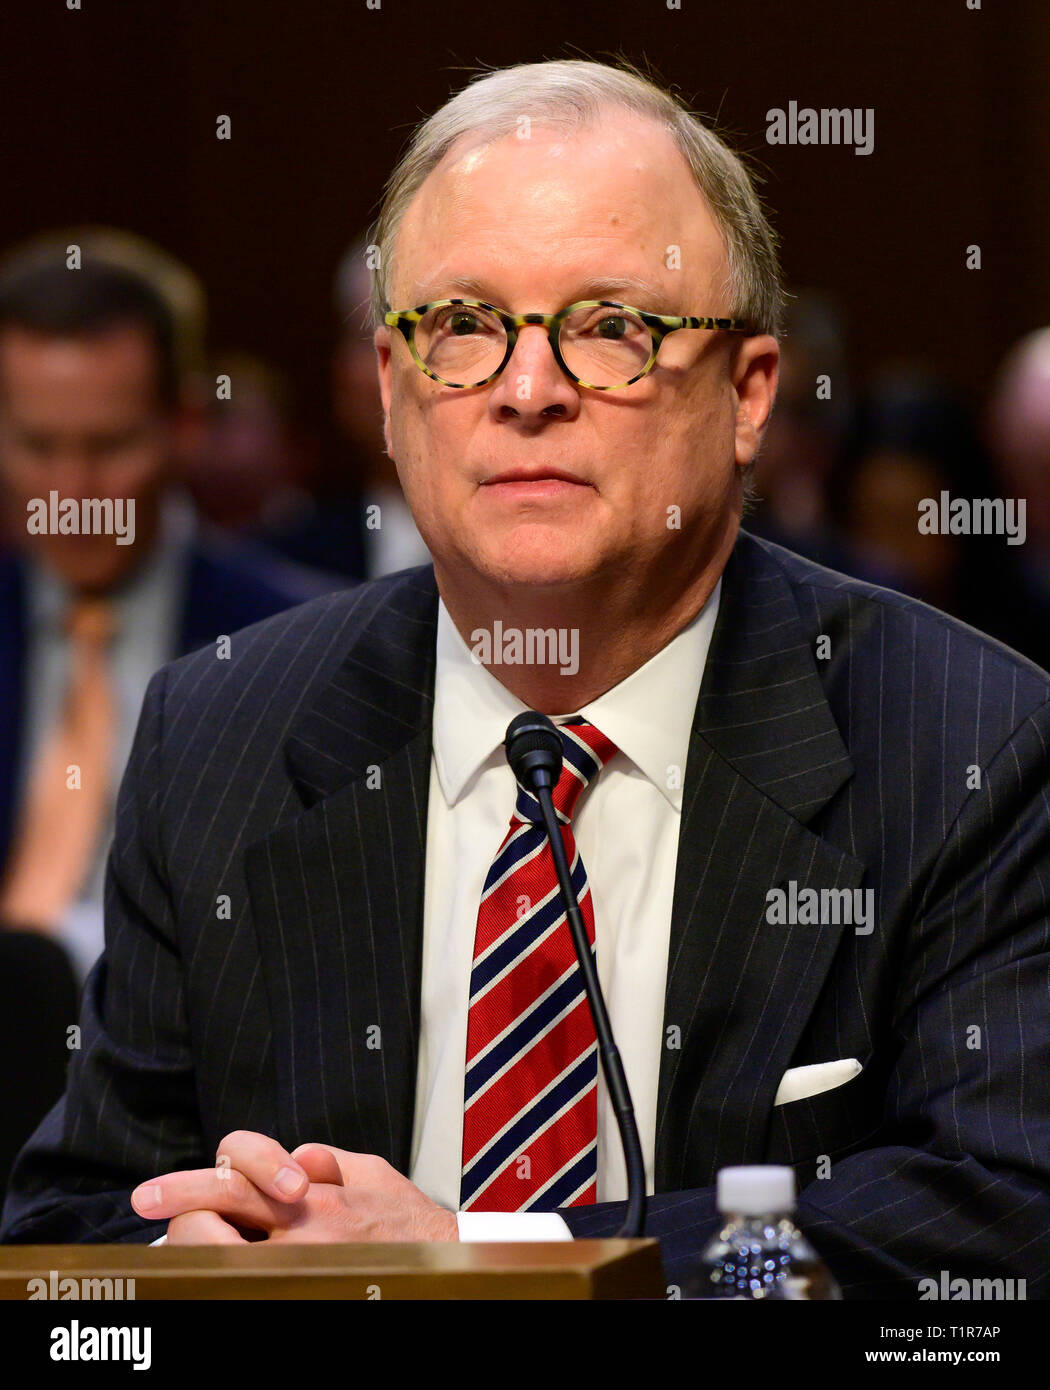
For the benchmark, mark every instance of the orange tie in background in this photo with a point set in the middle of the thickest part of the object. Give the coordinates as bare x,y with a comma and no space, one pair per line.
60,822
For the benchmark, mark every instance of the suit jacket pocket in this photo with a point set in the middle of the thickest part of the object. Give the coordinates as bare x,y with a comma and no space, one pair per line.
835,1122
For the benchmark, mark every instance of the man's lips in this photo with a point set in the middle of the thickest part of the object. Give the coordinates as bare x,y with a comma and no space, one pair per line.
535,477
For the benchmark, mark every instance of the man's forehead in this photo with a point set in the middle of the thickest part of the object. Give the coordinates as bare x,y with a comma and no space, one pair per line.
47,376
643,291
121,345
613,164
635,138
612,204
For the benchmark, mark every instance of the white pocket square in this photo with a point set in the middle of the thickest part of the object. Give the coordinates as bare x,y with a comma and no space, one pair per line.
799,1082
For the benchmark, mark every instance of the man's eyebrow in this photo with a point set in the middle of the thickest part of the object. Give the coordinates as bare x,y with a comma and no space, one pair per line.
641,294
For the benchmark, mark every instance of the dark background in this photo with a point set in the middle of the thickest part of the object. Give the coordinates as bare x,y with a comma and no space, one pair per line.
109,116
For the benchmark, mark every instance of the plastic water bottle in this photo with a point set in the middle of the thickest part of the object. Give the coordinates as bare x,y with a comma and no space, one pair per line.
759,1251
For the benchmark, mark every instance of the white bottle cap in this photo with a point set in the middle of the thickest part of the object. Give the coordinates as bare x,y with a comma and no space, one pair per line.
752,1191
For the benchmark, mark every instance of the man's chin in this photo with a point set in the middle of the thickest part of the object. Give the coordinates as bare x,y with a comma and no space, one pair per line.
526,568
89,572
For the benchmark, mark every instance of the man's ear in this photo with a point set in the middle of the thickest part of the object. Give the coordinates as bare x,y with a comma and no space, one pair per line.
754,375
385,367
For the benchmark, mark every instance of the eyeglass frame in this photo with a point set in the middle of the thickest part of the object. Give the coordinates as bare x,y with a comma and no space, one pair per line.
659,326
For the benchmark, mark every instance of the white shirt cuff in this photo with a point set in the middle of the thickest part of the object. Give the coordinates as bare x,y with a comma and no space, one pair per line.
511,1225
161,1240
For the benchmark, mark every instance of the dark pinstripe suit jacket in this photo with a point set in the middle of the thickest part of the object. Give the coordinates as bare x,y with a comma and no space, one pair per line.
248,783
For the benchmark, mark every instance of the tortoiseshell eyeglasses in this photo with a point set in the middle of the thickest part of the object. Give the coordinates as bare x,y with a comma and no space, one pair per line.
597,343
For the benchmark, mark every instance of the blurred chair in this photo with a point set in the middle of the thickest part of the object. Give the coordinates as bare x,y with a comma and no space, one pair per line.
38,1004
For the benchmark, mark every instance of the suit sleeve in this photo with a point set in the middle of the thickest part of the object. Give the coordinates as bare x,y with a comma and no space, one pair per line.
129,1111
960,1181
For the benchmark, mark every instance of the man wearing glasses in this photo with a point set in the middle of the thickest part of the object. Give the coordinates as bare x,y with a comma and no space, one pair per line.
339,1001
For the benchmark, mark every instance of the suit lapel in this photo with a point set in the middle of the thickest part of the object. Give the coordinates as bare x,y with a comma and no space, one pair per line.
765,755
337,893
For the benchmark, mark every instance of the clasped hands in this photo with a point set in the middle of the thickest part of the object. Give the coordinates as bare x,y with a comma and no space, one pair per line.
316,1193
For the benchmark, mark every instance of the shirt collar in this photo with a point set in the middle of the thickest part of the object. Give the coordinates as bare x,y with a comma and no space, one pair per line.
648,715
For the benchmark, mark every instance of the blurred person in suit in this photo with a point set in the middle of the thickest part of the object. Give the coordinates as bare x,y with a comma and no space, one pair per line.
800,443
911,438
356,522
790,497
385,1036
1017,431
91,360
243,457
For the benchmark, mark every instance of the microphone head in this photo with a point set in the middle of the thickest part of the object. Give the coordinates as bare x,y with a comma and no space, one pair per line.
534,750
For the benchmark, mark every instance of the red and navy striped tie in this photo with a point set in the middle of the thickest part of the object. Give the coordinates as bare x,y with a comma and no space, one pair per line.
530,1123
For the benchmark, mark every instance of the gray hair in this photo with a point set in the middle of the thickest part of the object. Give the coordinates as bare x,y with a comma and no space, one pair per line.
570,94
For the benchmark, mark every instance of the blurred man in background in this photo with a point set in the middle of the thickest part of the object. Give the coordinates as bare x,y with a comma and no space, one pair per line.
804,434
914,440
1018,433
245,459
89,390
91,361
358,523
912,436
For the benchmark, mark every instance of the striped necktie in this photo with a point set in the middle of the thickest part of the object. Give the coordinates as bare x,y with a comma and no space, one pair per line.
530,1123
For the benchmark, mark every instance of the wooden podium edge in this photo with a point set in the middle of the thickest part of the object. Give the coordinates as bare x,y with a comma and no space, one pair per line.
579,1269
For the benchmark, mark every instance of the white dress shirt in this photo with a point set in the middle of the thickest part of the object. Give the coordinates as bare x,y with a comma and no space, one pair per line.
626,826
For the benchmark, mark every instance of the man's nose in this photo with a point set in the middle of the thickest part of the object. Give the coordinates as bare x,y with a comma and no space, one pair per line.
532,387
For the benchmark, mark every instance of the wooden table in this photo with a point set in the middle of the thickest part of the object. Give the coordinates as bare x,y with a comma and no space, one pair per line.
578,1269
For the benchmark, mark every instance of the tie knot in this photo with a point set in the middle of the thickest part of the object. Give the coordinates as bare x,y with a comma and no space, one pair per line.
585,751
90,622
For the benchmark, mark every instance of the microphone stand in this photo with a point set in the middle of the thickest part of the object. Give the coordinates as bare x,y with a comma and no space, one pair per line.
612,1066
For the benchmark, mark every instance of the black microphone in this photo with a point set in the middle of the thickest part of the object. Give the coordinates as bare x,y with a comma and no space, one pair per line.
534,752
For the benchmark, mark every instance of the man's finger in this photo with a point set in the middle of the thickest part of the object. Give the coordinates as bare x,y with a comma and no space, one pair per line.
263,1162
223,1190
356,1169
319,1163
202,1228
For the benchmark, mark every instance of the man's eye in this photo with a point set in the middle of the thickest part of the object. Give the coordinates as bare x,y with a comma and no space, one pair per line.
612,326
462,323
102,444
35,444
